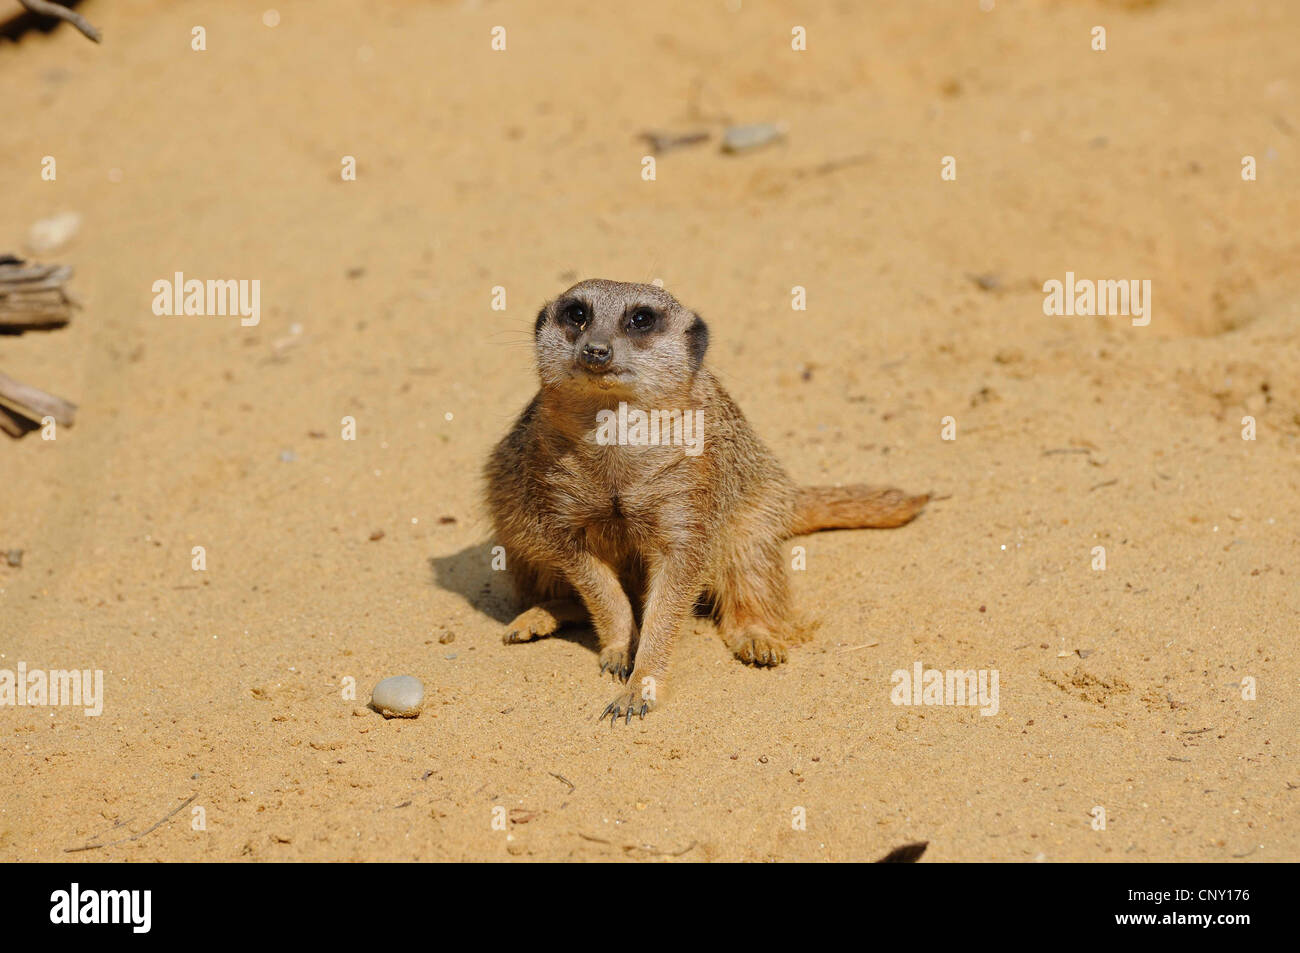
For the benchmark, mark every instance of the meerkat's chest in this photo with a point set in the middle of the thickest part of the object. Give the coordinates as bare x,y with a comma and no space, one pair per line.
626,492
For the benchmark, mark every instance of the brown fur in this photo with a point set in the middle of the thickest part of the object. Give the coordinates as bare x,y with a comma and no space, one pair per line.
633,536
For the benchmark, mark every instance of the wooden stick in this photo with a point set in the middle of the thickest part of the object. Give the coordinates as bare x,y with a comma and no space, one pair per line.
35,404
14,270
14,425
133,837
32,296
19,314
46,9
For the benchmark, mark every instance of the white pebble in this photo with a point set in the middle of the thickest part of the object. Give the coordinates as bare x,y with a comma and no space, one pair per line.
51,234
398,697
744,138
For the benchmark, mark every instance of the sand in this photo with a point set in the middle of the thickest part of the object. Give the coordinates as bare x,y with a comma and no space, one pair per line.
1120,689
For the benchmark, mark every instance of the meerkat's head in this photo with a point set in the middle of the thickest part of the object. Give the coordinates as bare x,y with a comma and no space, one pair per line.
625,340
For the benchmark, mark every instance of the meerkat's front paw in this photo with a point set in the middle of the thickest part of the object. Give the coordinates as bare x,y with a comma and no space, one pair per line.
617,660
638,697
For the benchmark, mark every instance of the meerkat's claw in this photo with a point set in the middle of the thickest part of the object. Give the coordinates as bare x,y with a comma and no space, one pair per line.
618,671
758,649
616,662
626,704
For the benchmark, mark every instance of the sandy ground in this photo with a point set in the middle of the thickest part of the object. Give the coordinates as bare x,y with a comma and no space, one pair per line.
1119,689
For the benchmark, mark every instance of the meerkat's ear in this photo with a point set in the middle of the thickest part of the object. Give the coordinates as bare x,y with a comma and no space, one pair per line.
697,337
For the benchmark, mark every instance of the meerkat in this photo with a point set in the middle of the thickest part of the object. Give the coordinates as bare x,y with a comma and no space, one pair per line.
631,534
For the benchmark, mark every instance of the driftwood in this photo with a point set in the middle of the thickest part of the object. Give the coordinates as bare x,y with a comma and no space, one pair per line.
32,297
45,8
35,404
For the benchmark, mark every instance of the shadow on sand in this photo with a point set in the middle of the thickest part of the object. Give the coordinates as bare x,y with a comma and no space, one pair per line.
469,573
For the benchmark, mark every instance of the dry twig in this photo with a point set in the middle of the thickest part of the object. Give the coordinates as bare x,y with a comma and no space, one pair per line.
44,8
185,803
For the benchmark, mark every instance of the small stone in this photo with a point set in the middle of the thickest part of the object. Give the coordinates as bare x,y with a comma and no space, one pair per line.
744,138
376,535
14,557
447,638
288,456
51,234
398,697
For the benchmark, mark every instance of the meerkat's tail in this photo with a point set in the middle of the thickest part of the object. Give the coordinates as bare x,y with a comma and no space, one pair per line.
853,507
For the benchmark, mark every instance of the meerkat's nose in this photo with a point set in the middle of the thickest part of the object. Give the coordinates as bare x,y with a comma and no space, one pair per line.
595,354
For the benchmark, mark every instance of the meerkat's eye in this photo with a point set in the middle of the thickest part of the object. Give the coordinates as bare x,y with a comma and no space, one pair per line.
574,313
642,319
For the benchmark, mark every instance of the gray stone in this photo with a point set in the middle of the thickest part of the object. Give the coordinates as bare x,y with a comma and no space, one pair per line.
398,697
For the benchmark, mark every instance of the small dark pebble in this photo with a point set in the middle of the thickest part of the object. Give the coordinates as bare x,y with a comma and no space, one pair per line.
446,519
376,535
447,638
14,557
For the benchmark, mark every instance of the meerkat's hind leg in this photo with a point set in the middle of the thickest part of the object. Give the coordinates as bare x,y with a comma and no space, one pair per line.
800,628
543,620
753,600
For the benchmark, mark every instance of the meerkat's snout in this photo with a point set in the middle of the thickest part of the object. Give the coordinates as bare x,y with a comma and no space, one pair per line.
595,355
